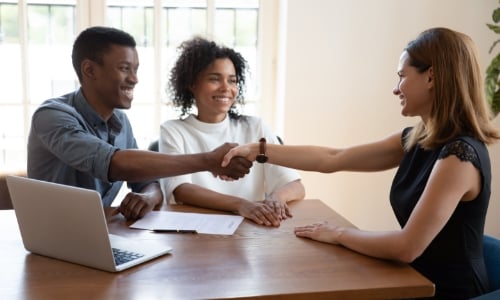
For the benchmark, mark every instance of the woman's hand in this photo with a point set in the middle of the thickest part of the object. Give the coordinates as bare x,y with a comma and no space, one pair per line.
260,213
280,208
322,232
248,151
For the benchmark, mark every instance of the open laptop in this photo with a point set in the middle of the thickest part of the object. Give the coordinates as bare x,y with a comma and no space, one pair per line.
68,223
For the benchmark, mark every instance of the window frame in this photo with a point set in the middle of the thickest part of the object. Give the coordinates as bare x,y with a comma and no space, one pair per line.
93,12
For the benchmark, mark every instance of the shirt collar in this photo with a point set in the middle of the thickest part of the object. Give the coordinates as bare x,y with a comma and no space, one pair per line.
92,117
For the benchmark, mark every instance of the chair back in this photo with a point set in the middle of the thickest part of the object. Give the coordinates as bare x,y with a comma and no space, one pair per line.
153,146
491,252
5,202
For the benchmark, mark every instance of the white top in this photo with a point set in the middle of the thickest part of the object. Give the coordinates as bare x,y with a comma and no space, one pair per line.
189,136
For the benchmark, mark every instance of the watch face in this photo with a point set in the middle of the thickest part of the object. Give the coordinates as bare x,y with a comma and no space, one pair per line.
261,158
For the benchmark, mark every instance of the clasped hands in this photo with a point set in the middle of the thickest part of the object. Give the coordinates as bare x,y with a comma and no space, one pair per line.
269,212
235,168
234,163
230,161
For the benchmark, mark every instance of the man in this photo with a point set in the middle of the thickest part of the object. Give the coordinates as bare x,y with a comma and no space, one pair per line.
83,139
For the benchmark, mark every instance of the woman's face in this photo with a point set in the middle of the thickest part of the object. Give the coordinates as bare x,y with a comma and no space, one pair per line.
215,90
414,89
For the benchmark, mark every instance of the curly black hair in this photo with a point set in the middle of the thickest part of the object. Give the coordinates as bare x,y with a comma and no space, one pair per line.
196,55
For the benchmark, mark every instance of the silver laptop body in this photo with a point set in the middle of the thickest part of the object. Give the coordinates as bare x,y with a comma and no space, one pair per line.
68,223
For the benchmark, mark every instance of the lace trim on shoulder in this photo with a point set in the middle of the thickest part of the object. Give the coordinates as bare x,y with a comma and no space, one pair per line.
462,150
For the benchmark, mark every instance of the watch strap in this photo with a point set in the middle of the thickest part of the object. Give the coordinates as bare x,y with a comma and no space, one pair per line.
261,157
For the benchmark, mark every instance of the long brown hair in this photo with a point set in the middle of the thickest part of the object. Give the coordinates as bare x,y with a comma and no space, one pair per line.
459,106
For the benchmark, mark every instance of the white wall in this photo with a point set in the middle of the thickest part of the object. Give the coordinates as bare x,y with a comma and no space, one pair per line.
341,62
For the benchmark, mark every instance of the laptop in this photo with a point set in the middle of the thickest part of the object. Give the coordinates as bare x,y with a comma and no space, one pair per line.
68,223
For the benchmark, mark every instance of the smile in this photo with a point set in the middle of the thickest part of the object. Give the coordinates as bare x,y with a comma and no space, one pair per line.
222,99
129,92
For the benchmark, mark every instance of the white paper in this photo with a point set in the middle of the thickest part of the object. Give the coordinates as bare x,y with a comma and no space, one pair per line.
202,223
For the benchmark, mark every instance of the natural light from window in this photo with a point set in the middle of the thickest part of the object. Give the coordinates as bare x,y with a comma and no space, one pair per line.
35,58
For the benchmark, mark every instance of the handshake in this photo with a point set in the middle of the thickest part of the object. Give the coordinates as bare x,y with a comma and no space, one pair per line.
228,164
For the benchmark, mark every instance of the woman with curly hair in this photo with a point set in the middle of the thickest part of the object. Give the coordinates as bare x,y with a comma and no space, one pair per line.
206,82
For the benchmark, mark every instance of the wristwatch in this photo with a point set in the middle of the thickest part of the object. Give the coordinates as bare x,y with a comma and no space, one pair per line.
261,157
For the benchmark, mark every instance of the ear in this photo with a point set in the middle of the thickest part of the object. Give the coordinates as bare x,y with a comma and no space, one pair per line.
88,69
430,79
192,88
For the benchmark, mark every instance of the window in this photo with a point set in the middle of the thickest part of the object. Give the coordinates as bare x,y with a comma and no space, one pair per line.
27,56
36,37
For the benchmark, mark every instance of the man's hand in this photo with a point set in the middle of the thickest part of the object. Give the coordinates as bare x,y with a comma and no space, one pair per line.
237,168
137,205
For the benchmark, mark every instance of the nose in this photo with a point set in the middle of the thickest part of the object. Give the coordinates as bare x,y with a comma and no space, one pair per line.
132,77
396,91
224,86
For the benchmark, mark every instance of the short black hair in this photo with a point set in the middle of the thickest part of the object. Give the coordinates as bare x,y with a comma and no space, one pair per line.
93,42
196,55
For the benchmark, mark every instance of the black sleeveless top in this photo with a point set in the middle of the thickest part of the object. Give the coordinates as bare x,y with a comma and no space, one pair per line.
454,259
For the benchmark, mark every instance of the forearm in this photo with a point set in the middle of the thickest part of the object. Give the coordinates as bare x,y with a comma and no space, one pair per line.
362,158
377,156
196,195
381,244
307,158
138,165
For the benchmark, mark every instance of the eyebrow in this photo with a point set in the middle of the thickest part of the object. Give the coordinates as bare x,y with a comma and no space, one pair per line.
125,62
219,74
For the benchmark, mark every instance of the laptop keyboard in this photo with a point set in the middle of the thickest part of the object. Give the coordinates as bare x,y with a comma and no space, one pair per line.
122,256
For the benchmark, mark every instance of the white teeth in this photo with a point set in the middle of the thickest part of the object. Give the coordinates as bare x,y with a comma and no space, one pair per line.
129,93
222,99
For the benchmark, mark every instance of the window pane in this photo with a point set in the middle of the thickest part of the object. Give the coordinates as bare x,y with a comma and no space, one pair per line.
50,34
114,17
183,23
10,59
144,126
224,26
10,55
144,91
51,23
51,30
62,24
148,39
9,25
236,26
38,24
137,19
185,3
246,28
237,3
134,17
13,150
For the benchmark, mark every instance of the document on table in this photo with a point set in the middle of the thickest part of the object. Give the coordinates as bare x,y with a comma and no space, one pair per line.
169,221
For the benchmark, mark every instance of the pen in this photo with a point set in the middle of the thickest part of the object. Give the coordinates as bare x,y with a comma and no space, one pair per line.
174,231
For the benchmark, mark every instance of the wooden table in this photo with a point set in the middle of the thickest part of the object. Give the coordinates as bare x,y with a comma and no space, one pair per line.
255,263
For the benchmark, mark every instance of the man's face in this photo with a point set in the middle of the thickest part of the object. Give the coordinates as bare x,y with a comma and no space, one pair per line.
115,78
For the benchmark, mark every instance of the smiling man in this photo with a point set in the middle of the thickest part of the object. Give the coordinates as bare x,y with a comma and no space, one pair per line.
83,138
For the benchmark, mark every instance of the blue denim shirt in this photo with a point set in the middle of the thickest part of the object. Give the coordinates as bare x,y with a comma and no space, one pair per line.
70,143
